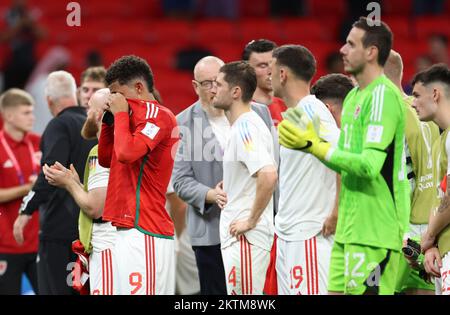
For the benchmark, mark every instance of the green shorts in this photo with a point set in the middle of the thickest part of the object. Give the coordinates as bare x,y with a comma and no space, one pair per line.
359,269
408,277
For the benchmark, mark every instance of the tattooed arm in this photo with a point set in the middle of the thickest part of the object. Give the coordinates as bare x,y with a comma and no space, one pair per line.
439,219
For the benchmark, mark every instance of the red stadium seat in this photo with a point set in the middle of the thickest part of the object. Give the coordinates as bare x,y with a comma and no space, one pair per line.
130,9
326,8
227,51
410,49
64,34
295,30
100,9
427,26
145,8
321,50
250,29
175,88
158,56
170,31
134,32
254,8
400,26
51,9
177,102
208,31
397,7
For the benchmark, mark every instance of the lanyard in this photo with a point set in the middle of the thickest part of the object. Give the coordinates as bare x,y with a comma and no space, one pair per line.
13,159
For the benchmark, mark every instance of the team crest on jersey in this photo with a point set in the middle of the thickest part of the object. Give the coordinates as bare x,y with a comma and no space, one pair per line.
357,112
3,267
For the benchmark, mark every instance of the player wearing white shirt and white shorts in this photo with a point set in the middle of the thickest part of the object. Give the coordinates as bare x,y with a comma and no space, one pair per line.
307,198
246,257
103,238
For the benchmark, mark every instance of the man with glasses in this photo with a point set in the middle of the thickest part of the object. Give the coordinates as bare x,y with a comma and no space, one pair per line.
198,173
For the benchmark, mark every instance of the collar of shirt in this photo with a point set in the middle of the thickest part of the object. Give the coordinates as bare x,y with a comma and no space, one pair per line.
14,143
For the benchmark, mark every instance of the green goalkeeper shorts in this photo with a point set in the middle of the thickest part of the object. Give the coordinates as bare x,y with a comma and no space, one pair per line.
360,269
409,278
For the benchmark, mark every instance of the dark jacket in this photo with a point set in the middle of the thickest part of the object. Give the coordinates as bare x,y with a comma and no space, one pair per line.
60,142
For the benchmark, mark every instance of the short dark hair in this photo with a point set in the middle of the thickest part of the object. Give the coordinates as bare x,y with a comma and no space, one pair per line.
258,46
129,68
437,73
240,73
379,36
96,74
298,59
334,86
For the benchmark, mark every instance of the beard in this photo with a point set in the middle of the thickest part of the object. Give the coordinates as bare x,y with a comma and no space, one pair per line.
221,105
277,92
355,70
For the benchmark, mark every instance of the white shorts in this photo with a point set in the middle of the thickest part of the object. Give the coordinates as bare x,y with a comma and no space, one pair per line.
445,275
416,231
145,264
245,267
303,266
101,275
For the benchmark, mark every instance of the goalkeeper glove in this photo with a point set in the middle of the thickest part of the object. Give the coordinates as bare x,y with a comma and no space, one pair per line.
108,118
293,137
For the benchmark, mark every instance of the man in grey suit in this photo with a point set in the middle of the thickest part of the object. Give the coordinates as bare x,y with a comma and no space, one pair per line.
197,174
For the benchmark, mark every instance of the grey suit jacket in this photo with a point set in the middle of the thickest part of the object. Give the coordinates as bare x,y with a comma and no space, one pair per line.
198,168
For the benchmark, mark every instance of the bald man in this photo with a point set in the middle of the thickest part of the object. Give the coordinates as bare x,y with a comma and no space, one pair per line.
198,173
420,161
196,179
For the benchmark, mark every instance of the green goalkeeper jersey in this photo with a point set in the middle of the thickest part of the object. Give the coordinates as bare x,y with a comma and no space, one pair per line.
420,162
374,203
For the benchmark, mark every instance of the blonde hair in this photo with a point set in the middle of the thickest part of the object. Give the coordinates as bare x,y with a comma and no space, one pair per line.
96,74
15,97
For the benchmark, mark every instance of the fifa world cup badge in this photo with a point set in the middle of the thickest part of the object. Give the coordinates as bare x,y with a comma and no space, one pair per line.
357,112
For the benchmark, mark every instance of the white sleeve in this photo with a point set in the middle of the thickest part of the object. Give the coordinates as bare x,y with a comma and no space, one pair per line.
447,150
329,130
253,147
170,189
98,176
